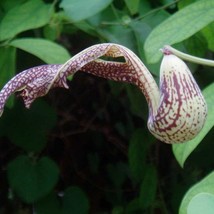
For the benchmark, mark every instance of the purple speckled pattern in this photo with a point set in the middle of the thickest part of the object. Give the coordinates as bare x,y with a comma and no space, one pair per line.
32,83
183,110
177,109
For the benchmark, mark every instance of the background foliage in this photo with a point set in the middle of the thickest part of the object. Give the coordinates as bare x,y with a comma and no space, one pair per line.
87,149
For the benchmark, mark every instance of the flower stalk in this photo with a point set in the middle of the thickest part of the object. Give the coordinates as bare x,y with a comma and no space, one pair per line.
187,57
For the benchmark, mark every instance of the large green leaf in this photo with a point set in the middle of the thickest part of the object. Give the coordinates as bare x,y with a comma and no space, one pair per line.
208,33
7,64
201,203
28,128
80,10
7,68
7,5
179,27
142,29
133,6
196,45
32,180
182,151
117,174
204,186
48,205
138,105
32,14
137,154
148,188
120,34
46,50
75,201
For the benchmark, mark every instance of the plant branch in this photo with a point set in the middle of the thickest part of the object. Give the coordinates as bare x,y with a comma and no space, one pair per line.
157,9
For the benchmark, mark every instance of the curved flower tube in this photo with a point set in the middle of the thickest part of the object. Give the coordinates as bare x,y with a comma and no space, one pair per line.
177,109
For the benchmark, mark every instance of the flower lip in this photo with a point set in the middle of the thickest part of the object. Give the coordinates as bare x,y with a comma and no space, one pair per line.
32,83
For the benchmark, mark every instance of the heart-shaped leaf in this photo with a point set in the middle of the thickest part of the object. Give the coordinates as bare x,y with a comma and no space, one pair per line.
75,201
48,205
28,128
32,180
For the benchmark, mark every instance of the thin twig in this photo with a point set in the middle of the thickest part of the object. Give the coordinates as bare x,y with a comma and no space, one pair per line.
156,10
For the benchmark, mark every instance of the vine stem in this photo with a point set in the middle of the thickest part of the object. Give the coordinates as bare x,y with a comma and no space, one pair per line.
157,10
170,50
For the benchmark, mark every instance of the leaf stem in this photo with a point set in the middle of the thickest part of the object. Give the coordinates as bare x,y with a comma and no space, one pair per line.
168,49
157,10
139,17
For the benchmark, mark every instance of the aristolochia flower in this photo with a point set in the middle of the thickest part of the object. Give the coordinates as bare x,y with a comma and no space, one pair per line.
177,109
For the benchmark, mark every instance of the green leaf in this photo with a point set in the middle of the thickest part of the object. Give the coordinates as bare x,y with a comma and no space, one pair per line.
142,29
148,188
28,128
133,6
51,32
108,15
7,68
46,50
7,5
118,210
48,205
137,101
75,201
196,45
117,174
32,180
179,27
144,7
133,206
79,10
30,15
182,151
137,154
208,33
119,34
86,27
204,186
201,203
185,3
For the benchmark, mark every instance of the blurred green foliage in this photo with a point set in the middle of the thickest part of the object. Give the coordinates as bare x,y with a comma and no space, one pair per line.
88,150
